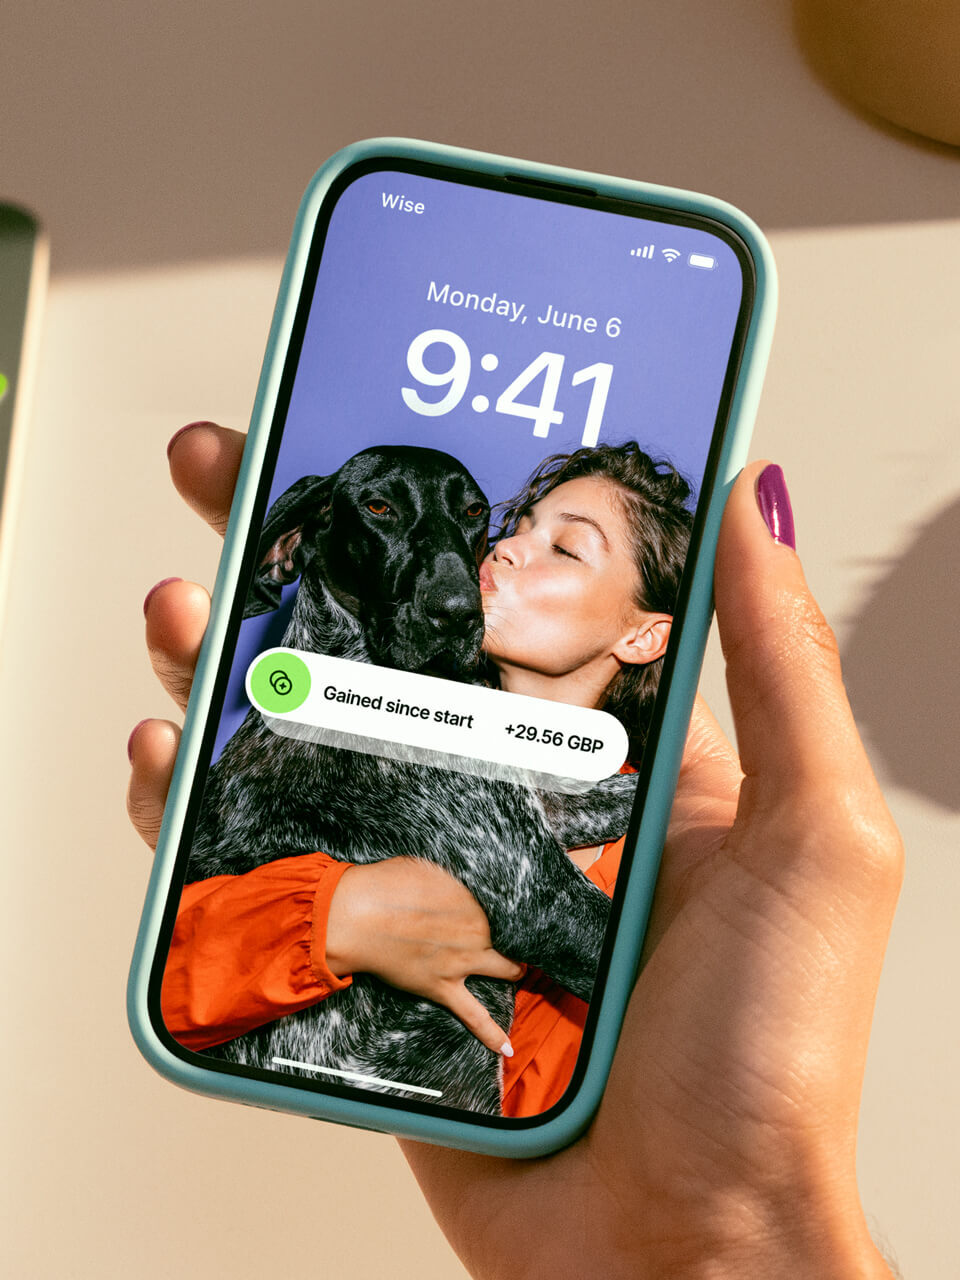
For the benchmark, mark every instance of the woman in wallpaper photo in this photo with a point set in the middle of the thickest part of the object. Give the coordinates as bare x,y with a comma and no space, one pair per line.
404,894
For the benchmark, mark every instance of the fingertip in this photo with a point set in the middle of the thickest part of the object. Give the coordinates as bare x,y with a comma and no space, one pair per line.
133,733
495,1038
152,748
182,431
792,718
754,566
191,448
152,745
157,586
177,613
773,500
761,482
476,1018
204,464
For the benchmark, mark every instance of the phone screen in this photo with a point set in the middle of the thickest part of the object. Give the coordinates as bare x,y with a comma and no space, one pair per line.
480,488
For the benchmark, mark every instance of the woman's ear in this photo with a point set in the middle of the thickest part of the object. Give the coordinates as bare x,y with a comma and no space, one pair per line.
646,641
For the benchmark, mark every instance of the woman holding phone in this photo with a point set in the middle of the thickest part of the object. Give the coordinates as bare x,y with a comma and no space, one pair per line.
726,1141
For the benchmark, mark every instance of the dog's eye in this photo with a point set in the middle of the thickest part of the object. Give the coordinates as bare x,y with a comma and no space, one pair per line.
378,508
474,510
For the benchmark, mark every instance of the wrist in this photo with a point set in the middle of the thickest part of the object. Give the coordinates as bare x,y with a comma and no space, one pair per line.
800,1241
343,950
815,1252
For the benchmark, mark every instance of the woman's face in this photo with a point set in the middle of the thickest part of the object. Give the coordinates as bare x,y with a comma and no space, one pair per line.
559,595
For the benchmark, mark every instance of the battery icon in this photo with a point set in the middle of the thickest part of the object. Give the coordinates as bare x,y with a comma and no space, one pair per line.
702,260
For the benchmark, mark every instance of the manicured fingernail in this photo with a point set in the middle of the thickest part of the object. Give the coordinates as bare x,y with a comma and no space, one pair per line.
189,427
774,503
507,1049
154,589
133,733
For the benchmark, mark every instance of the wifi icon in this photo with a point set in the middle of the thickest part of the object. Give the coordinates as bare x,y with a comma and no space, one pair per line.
671,255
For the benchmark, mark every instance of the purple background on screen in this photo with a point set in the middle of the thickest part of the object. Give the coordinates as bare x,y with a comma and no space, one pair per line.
371,301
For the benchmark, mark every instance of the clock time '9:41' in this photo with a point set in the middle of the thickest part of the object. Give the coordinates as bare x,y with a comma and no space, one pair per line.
543,413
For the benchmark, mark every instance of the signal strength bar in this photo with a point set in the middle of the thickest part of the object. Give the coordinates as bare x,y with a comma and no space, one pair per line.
646,251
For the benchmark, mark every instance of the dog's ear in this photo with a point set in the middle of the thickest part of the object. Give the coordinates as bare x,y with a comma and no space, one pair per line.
285,543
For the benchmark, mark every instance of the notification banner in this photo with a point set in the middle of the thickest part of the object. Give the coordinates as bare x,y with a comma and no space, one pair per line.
311,695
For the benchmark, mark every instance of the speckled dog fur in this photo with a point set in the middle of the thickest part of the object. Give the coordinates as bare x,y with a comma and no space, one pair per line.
270,797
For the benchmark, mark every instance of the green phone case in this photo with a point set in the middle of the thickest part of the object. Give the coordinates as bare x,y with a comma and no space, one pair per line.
559,1129
24,260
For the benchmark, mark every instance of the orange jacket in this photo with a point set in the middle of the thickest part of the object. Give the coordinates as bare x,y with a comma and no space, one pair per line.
249,949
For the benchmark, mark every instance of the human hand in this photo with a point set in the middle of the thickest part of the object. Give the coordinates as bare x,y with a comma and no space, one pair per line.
725,1143
415,926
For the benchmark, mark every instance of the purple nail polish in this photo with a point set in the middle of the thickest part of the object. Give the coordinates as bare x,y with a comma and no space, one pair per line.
189,427
133,734
154,589
774,503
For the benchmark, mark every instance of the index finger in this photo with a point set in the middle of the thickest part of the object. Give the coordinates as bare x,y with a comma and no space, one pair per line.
474,1016
204,465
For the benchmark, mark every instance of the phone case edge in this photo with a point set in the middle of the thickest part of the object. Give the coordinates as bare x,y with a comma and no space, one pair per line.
567,1126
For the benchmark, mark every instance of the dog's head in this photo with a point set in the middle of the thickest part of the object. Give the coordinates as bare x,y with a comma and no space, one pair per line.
396,536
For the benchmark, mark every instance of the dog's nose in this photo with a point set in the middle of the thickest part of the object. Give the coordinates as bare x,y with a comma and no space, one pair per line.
449,608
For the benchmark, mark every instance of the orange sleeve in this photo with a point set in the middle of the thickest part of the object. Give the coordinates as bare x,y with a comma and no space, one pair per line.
249,949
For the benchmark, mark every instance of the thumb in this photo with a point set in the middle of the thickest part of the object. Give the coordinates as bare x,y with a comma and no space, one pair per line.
795,730
811,823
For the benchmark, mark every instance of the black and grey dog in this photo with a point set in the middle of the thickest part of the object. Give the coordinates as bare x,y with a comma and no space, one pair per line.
387,552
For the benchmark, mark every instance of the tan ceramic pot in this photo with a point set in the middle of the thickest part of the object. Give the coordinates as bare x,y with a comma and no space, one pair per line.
897,58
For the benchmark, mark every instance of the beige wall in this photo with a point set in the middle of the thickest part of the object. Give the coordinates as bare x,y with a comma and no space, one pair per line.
169,169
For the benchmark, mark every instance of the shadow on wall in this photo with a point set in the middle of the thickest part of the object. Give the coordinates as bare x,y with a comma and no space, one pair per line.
901,665
197,142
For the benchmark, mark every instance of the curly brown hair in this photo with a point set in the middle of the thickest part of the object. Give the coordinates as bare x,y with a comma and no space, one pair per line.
654,497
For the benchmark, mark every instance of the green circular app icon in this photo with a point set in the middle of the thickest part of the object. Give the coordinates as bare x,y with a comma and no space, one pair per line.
280,682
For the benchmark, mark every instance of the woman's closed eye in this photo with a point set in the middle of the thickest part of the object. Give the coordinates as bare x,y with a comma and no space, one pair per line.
565,551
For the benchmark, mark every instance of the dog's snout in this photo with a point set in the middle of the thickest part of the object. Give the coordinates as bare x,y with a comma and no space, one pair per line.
455,606
451,595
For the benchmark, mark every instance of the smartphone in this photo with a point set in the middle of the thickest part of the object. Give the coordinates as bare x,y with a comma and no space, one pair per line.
459,618
24,262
